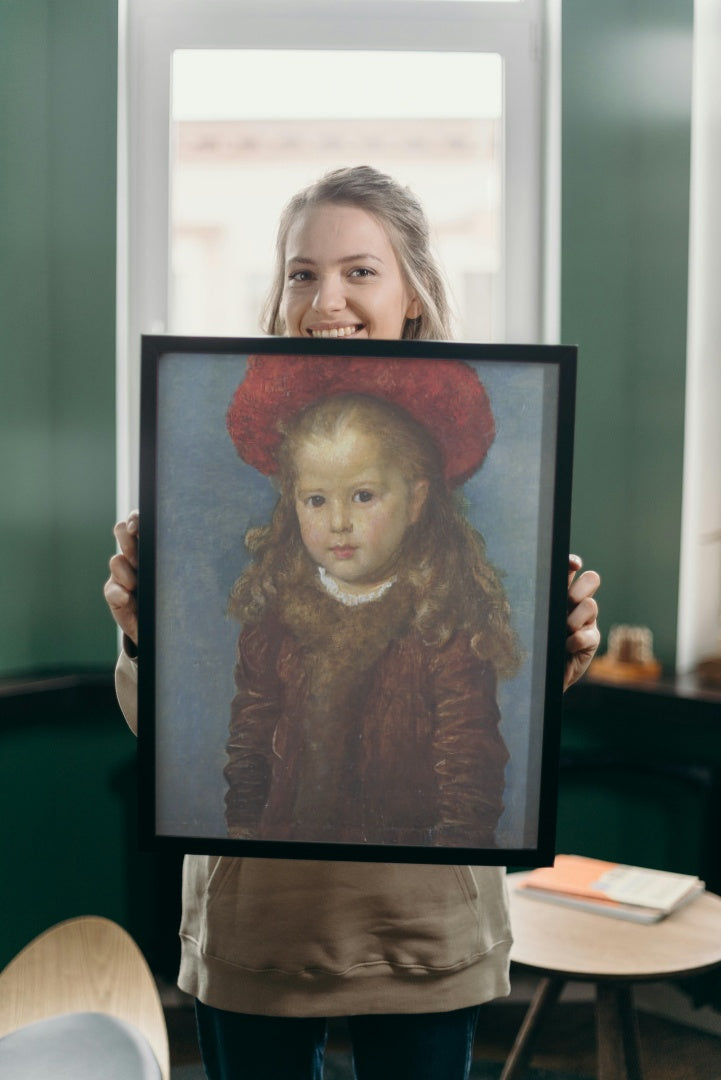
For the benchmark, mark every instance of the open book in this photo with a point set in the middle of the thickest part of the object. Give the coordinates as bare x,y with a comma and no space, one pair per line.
608,888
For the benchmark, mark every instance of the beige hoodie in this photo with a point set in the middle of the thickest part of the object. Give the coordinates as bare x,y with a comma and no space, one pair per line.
287,937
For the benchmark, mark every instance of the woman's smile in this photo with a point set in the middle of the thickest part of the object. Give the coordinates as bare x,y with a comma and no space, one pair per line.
335,331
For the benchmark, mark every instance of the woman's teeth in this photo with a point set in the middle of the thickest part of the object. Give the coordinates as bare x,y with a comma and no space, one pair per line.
337,331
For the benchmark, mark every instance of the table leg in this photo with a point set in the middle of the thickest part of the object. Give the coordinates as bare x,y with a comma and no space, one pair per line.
545,997
617,1033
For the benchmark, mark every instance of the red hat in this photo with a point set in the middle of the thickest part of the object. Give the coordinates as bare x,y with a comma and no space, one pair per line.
445,396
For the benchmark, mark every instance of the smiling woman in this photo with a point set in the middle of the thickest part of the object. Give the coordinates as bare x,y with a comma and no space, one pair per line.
343,277
354,259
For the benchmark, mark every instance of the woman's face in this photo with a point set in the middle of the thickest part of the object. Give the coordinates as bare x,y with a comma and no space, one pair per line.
342,277
354,507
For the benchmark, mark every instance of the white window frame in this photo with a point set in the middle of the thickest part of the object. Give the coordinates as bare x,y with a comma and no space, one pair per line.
526,34
699,596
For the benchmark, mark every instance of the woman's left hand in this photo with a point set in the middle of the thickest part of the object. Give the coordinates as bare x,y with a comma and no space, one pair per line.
583,635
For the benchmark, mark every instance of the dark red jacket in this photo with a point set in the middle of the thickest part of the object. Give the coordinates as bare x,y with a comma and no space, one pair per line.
408,753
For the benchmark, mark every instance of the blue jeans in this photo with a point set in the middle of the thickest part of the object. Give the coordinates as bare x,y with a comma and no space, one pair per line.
416,1046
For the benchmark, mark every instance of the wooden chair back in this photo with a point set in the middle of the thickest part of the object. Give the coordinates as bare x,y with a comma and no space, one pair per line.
87,964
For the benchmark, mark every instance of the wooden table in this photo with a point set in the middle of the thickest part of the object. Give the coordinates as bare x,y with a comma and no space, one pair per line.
562,944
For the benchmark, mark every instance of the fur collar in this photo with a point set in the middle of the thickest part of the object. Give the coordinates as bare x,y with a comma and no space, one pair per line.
340,643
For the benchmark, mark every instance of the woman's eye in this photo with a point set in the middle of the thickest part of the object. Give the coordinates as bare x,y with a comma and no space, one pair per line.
363,496
315,501
362,272
300,276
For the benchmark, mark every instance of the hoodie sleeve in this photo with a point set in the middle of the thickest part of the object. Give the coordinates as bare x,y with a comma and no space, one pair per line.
126,688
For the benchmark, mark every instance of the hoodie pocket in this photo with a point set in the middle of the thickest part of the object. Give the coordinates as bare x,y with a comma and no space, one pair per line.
296,916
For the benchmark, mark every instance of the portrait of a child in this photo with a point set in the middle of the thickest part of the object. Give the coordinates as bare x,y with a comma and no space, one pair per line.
374,629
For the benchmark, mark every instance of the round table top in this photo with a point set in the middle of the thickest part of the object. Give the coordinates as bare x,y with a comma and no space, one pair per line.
559,940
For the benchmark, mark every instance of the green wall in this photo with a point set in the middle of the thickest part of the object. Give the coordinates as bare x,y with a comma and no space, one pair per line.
626,145
67,761
58,71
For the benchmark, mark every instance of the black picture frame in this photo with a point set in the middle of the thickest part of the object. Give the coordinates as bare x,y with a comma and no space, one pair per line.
197,501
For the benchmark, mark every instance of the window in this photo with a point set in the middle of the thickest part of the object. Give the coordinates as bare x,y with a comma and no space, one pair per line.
231,104
235,160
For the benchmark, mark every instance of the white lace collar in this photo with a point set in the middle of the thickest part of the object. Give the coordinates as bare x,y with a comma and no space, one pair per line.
332,587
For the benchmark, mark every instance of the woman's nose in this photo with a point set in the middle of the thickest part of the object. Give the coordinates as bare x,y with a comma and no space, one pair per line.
329,295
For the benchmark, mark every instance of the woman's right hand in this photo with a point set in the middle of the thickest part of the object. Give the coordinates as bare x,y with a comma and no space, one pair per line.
121,587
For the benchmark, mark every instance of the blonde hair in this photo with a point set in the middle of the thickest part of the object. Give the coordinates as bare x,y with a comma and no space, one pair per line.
442,560
401,214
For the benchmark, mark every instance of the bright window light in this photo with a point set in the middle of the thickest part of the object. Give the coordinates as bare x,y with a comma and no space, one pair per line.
434,121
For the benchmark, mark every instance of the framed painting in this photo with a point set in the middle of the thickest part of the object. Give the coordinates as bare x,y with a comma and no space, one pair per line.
352,597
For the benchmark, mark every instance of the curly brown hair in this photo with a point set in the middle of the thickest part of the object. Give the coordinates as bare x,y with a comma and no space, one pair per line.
442,558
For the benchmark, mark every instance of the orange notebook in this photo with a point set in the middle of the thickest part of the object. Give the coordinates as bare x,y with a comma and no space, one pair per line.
631,892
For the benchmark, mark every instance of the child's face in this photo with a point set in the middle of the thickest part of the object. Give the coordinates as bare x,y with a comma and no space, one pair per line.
342,277
353,507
